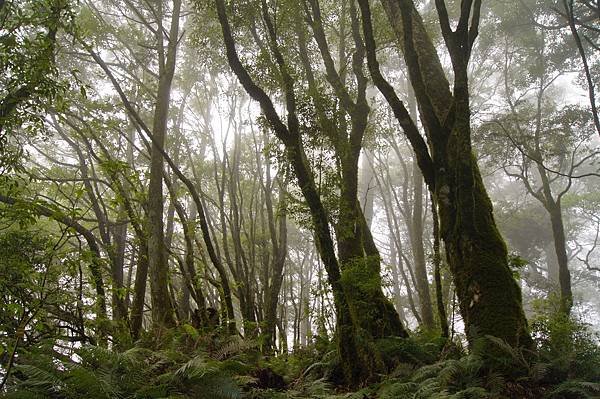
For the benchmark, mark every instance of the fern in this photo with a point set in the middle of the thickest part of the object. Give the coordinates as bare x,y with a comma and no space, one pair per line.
403,390
575,390
428,388
38,380
427,372
472,393
538,371
494,382
500,356
195,368
216,387
25,394
232,347
206,379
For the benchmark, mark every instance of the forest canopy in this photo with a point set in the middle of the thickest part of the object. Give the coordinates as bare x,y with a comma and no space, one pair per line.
299,199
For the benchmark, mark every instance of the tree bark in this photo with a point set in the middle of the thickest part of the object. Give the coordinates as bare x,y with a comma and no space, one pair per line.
560,247
139,289
162,311
416,241
437,260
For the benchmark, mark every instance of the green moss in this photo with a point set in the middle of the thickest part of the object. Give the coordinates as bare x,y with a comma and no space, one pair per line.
369,309
489,297
359,274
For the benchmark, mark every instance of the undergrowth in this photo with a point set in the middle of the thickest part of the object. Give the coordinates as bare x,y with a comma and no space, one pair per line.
183,363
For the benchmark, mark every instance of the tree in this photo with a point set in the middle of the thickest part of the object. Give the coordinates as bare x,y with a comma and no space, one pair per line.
162,311
29,82
539,142
489,298
362,311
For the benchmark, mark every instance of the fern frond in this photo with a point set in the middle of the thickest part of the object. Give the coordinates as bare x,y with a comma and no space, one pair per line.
513,354
472,393
495,382
404,390
26,394
430,388
576,390
427,372
539,371
216,387
38,379
451,371
233,346
197,367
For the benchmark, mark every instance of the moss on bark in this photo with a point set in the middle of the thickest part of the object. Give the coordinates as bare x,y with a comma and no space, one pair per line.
489,297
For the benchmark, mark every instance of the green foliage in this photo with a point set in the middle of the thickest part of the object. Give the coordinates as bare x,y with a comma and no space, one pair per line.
414,350
517,264
136,373
30,82
569,347
36,272
191,365
575,390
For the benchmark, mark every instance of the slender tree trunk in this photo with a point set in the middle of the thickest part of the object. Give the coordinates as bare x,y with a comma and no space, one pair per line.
396,278
415,226
139,290
279,256
551,265
367,188
437,260
162,311
190,278
119,291
560,247
416,240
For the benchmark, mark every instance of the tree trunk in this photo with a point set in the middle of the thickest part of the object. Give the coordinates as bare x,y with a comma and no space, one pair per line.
366,187
416,241
560,246
139,290
489,297
437,260
279,248
162,311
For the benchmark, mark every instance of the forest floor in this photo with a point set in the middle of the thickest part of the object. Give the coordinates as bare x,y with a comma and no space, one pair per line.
185,363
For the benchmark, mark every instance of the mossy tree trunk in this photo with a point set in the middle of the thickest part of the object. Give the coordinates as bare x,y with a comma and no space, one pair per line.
489,298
